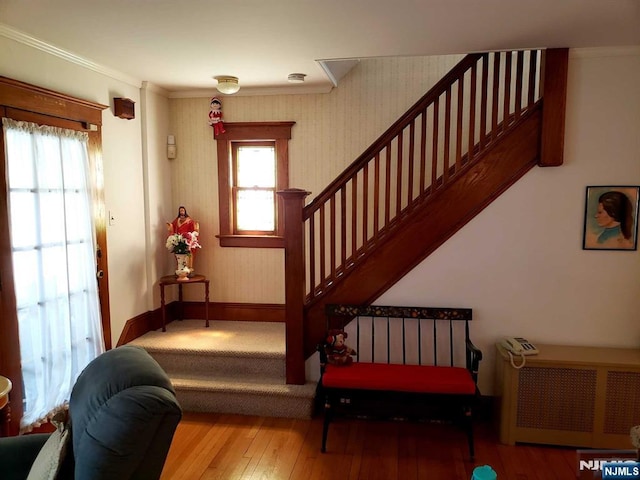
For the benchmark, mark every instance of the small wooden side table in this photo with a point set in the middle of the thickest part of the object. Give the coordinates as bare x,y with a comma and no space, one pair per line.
5,410
173,280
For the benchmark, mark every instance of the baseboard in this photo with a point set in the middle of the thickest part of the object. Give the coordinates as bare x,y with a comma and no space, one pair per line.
247,312
244,312
139,325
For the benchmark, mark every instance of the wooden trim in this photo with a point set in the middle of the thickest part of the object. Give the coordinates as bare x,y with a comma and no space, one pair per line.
43,106
278,132
139,325
256,131
554,93
295,285
251,241
24,96
236,312
100,220
9,340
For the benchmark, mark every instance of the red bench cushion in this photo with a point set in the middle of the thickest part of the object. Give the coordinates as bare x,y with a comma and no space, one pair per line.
400,378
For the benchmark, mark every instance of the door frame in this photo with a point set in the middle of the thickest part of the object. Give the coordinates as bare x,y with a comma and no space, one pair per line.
23,101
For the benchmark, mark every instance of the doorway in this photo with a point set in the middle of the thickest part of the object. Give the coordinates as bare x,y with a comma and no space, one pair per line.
25,291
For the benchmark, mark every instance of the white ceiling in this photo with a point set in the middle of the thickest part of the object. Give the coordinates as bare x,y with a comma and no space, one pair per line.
181,45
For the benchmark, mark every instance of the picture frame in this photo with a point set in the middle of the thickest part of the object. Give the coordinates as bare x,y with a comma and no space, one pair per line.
611,218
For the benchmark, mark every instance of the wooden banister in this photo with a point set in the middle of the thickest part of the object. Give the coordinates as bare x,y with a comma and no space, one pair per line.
486,100
294,285
386,138
448,119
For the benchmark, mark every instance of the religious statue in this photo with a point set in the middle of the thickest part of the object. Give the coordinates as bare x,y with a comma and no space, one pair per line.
183,237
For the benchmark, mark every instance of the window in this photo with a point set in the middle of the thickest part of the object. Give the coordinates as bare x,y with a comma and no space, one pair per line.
254,188
252,168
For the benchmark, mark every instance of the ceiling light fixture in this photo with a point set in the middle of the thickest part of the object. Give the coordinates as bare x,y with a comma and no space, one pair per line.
227,84
296,77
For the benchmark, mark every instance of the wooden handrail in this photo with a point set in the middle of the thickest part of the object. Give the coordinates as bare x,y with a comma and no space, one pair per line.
392,131
452,119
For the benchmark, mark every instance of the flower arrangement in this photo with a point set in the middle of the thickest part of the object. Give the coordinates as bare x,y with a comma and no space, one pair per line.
183,244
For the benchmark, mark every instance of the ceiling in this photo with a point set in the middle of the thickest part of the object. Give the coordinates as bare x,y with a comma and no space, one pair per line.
180,45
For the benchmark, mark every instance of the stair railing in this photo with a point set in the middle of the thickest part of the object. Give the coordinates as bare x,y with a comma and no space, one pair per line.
427,148
481,99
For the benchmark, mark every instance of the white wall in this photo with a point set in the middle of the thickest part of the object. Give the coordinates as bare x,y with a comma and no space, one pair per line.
158,199
520,263
125,189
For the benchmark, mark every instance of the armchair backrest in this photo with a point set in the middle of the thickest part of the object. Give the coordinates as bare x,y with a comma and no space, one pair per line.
123,413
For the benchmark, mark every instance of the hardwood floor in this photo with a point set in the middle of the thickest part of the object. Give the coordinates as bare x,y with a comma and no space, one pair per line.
219,446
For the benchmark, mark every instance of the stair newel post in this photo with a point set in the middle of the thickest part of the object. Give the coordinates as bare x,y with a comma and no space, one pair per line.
294,274
554,75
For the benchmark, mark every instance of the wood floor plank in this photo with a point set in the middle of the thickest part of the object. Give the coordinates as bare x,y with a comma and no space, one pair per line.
309,451
282,451
380,452
230,461
186,439
408,453
560,462
440,452
235,447
197,461
258,446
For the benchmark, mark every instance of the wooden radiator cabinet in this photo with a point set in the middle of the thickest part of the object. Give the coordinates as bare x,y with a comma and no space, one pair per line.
569,395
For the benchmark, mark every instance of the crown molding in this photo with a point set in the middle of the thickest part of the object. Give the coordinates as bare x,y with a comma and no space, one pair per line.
25,39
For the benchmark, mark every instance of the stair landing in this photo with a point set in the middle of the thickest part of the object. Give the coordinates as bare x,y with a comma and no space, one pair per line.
230,367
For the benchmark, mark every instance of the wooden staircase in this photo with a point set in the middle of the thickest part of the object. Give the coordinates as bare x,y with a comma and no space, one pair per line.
491,119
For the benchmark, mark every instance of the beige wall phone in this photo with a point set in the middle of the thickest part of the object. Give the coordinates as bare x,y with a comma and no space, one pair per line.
518,346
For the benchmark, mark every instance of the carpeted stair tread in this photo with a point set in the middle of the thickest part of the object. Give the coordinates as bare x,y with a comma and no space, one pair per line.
246,385
266,339
230,367
212,353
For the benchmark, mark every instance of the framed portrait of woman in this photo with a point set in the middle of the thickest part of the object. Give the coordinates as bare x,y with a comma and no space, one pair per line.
611,218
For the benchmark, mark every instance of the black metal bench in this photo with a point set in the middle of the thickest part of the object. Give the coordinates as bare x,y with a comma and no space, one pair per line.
411,362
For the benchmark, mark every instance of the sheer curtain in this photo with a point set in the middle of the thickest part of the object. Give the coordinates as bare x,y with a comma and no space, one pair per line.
54,263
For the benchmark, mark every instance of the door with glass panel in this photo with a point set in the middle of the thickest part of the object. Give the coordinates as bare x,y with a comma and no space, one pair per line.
50,299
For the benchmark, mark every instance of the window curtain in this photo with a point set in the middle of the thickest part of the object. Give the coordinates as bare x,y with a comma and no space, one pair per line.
54,262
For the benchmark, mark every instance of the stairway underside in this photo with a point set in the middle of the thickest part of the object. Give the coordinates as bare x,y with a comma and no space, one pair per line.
427,227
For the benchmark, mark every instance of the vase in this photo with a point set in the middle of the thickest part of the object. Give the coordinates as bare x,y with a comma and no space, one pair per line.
182,264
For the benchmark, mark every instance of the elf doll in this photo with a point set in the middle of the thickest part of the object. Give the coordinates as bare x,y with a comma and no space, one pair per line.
215,116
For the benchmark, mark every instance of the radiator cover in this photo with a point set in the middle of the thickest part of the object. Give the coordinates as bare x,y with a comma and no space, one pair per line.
570,395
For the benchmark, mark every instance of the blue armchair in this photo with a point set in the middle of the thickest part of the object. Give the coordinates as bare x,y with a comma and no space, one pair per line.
123,413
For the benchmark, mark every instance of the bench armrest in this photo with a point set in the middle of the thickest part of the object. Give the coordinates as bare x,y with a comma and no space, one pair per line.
474,356
323,357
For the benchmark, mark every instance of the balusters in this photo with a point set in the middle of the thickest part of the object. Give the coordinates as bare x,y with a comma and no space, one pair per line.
471,107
